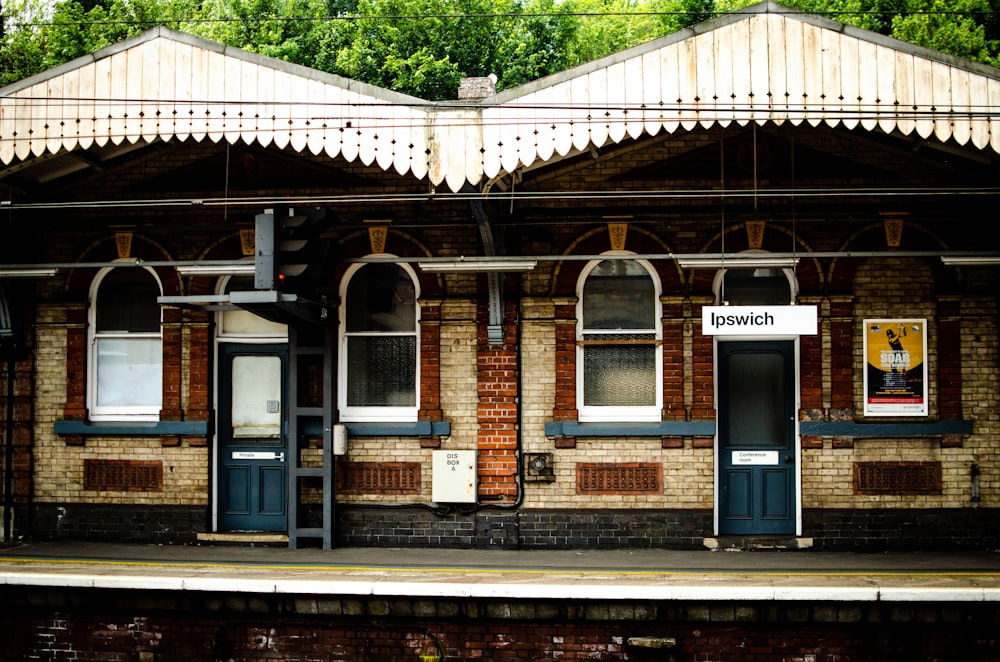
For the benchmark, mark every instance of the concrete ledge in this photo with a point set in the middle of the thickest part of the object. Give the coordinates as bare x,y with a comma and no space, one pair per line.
244,538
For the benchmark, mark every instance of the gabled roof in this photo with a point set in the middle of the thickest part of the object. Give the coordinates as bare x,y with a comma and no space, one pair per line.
765,64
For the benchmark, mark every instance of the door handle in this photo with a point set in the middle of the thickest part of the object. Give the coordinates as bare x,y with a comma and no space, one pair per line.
788,459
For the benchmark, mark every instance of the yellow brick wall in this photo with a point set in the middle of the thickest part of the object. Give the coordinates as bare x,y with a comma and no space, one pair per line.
58,468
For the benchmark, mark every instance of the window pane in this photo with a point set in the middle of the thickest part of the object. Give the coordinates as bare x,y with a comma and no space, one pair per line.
619,376
381,298
126,301
129,372
381,371
760,287
756,414
242,322
619,294
256,405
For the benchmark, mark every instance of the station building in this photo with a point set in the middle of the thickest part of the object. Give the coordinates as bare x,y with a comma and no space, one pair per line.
733,287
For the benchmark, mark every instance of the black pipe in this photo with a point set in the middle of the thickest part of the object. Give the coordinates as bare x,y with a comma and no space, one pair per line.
8,455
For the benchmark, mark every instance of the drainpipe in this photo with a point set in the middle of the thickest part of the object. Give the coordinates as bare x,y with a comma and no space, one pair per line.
8,455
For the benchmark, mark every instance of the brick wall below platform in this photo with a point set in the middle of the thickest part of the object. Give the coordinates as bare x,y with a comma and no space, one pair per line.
51,623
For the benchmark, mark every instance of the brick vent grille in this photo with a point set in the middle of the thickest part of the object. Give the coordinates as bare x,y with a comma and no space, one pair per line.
897,478
378,477
123,475
619,478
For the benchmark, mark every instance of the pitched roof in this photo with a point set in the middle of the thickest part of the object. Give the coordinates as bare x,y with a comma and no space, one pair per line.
763,64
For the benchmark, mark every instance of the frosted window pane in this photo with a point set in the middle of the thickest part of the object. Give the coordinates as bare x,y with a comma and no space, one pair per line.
256,408
129,372
381,371
619,376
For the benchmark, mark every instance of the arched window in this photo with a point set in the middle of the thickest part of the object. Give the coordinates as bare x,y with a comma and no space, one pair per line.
379,355
126,358
242,325
619,362
754,287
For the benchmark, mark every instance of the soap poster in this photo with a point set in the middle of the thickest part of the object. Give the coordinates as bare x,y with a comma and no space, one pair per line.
895,367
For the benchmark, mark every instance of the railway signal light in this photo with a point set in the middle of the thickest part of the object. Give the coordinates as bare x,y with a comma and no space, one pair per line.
290,254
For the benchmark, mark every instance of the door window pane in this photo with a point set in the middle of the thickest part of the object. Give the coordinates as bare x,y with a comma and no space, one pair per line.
756,387
256,403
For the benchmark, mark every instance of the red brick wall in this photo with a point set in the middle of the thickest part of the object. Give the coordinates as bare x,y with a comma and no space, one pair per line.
496,366
533,631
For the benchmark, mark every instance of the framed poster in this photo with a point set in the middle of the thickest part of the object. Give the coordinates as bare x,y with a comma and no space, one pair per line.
895,353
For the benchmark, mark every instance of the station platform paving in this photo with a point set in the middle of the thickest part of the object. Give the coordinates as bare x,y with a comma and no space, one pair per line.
656,575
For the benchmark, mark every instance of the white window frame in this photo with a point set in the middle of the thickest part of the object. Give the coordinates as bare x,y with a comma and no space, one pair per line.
359,414
622,414
98,412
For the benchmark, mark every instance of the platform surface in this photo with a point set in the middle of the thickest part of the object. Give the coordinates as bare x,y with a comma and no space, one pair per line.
567,574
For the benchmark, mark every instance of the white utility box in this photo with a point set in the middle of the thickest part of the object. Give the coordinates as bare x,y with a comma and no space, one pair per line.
454,477
339,439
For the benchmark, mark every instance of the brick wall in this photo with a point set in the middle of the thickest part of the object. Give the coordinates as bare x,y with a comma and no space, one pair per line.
65,624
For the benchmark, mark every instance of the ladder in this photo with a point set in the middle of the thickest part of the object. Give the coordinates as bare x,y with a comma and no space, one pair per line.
310,415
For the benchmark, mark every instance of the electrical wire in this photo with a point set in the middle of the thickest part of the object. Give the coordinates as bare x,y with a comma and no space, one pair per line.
574,195
348,18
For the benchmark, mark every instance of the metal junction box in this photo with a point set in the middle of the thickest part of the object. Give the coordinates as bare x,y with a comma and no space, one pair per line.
454,477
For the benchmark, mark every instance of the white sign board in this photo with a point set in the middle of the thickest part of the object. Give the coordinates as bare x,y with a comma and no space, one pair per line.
755,457
758,320
258,455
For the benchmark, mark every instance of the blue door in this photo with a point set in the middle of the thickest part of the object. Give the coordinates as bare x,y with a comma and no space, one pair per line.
757,473
252,446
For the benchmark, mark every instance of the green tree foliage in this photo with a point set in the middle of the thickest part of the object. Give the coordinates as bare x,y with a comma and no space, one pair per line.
608,26
38,36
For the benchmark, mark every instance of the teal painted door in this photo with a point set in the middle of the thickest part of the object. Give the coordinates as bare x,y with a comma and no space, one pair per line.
757,472
252,448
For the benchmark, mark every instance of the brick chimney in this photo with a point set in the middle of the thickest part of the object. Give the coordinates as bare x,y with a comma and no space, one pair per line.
474,89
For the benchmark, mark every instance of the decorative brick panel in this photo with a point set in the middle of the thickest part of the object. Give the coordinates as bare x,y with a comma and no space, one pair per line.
842,364
949,367
378,477
811,372
123,475
619,478
897,477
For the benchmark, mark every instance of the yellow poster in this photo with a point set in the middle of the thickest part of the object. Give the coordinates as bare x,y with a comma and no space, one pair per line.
895,367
